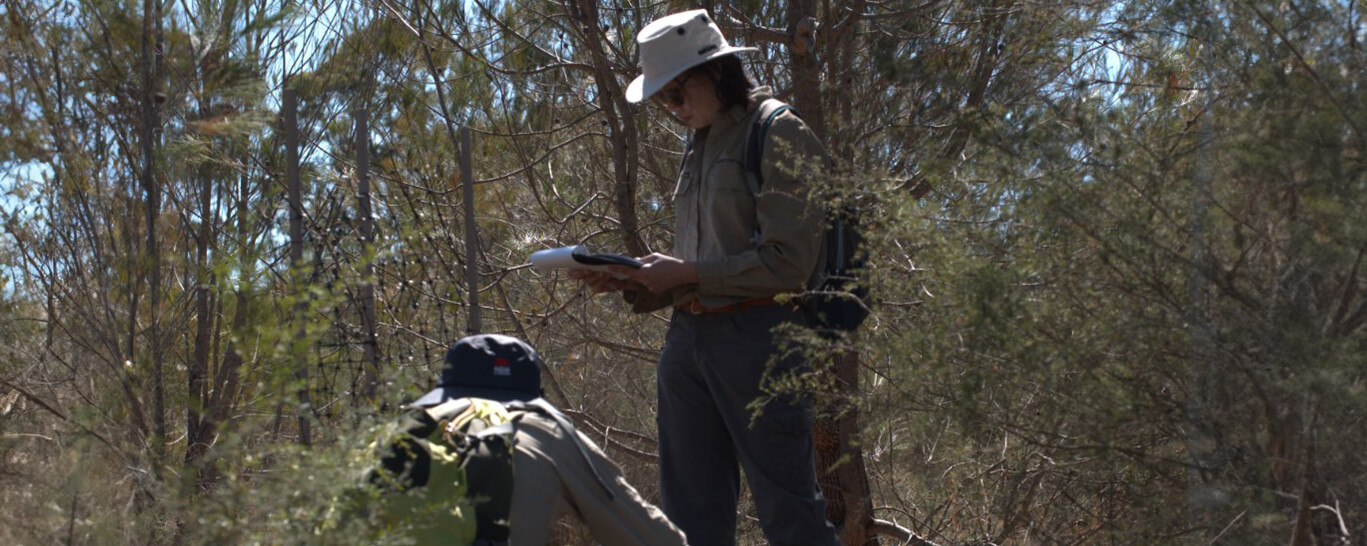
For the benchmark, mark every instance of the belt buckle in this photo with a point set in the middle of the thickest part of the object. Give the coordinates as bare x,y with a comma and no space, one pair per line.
696,308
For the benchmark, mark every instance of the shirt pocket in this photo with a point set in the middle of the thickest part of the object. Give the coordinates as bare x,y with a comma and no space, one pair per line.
728,201
727,177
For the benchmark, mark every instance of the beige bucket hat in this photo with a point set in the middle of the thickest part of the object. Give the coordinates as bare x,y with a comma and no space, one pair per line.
675,43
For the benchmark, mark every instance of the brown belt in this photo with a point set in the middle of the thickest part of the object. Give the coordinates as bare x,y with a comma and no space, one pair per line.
695,308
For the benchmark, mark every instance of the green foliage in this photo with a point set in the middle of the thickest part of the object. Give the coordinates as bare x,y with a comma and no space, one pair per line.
273,493
1130,310
1057,321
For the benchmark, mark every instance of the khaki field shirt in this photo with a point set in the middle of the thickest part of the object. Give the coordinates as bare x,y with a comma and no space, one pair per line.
744,245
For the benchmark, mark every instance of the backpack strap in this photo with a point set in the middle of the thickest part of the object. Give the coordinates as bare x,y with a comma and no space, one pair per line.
759,132
482,434
754,176
469,416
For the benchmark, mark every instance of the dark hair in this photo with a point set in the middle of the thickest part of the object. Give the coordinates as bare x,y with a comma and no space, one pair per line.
728,78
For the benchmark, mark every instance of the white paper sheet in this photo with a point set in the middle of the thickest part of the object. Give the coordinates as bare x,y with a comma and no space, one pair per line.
578,257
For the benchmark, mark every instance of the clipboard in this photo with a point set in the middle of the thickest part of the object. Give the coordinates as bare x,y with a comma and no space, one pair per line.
579,257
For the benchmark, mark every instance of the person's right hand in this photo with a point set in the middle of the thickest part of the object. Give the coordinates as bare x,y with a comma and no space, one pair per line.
600,282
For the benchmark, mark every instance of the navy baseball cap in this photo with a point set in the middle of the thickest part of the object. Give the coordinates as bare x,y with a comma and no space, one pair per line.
490,366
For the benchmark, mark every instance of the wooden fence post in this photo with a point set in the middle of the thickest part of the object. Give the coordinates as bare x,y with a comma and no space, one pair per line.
370,364
291,110
471,236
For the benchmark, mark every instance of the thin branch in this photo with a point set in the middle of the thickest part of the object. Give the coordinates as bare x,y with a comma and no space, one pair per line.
1314,76
1338,515
539,160
606,434
1346,298
43,404
1228,527
882,527
750,30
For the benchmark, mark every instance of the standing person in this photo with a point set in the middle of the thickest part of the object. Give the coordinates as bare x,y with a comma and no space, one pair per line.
737,245
487,403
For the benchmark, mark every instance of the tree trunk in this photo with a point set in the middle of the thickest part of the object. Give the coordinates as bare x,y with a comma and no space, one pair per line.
223,398
291,107
621,127
199,428
151,45
370,344
840,466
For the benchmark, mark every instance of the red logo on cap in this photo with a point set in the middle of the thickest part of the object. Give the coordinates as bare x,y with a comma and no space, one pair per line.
502,366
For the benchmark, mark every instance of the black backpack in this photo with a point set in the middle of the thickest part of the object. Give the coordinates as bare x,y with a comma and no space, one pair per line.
482,435
836,301
484,453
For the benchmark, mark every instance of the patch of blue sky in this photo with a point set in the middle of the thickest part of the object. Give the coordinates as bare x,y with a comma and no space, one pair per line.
19,202
17,184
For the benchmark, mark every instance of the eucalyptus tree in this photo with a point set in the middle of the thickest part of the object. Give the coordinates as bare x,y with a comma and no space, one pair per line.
1131,316
76,81
134,237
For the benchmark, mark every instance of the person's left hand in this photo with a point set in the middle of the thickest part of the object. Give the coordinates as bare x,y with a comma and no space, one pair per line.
661,273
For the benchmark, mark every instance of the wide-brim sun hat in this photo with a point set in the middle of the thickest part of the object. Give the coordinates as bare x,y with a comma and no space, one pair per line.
674,43
489,366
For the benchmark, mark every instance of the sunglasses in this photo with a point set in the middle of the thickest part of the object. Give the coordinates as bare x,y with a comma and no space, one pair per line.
673,98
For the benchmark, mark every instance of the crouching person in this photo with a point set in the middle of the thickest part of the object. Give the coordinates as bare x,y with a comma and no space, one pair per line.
486,435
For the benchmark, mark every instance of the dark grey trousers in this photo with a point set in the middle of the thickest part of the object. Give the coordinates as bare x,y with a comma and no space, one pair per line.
710,373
